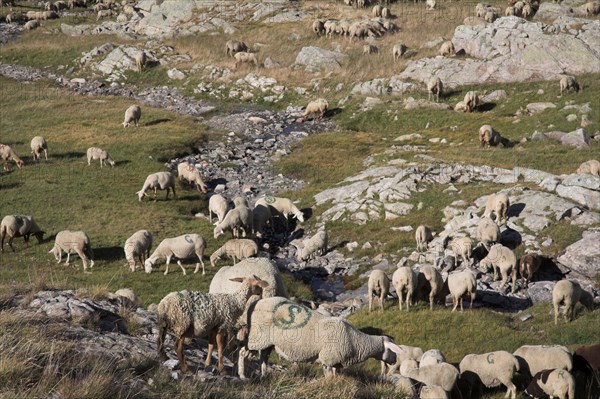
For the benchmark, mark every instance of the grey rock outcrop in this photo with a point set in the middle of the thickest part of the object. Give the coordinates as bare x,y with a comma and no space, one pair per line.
315,58
583,257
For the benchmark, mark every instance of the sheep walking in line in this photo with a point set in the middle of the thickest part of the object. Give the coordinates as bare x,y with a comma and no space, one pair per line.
238,221
19,226
379,285
73,241
235,46
317,107
443,375
529,264
429,283
132,114
263,268
461,283
556,383
187,171
503,259
156,181
243,57
435,87
7,153
399,50
404,279
592,167
191,314
491,369
94,153
140,62
307,248
423,236
39,144
283,207
217,204
138,247
318,27
236,249
181,247
568,293
535,358
487,232
332,341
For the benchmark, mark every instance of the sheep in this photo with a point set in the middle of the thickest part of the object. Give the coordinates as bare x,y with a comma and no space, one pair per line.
586,362
487,232
104,14
433,392
281,206
73,241
408,352
317,107
568,83
94,153
423,236
39,144
554,382
31,25
6,153
376,12
318,27
463,247
187,171
490,16
370,49
398,50
429,279
263,268
235,220
307,248
155,181
491,369
235,46
461,283
19,226
379,284
488,137
592,8
527,11
443,375
535,358
217,204
430,357
481,9
529,264
245,57
386,13
510,11
435,87
132,114
430,4
503,259
569,293
137,246
235,249
261,214
331,340
181,247
404,278
447,49
498,204
471,101
140,62
592,167
191,314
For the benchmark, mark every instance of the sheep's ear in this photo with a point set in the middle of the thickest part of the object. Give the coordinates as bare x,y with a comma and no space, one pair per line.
393,347
237,279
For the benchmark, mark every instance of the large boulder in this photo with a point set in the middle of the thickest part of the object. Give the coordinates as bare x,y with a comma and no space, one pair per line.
583,257
315,58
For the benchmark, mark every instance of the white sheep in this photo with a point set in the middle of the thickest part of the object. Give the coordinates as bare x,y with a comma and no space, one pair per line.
261,214
592,8
423,236
196,314
447,49
569,292
408,352
263,268
535,358
156,181
435,87
6,153
19,226
471,101
510,11
461,283
490,16
529,264
39,144
430,4
430,357
244,57
73,241
217,204
234,46
236,220
31,25
318,27
279,206
132,114
187,171
433,392
429,279
236,249
138,246
376,12
318,107
487,232
181,247
491,369
443,375
307,248
527,11
399,50
568,83
386,13
378,285
592,167
488,137
503,259
370,49
404,279
331,340
94,153
463,247
140,62
557,383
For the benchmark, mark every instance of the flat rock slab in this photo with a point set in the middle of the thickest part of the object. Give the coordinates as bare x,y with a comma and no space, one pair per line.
315,58
583,257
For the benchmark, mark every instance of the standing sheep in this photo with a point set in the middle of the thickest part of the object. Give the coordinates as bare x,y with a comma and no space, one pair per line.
94,153
447,49
404,279
379,285
182,247
488,137
461,283
568,83
19,226
435,87
503,259
386,13
191,314
38,144
529,264
592,167
261,214
187,171
569,293
263,268
376,12
279,206
592,8
138,246
471,101
7,153
318,27
317,107
317,244
217,204
31,25
243,57
73,241
463,247
535,358
235,46
398,50
140,63
236,249
487,232
236,219
423,236
557,383
132,114
370,49
498,204
155,181
443,375
429,281
491,369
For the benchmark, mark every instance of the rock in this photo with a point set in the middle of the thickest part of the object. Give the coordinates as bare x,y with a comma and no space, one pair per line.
175,74
577,138
536,108
408,137
370,103
315,58
411,103
393,86
270,63
494,96
540,291
584,196
583,257
288,16
76,30
537,136
572,118
585,180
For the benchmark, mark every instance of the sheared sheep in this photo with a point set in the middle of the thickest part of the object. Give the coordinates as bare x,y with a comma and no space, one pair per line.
279,206
487,232
398,50
429,283
435,87
443,375
235,220
529,264
187,171
39,144
503,259
235,46
73,241
592,167
317,107
423,236
140,63
94,153
19,226
557,383
378,285
156,181
447,49
315,245
217,204
569,292
181,247
535,358
463,247
132,114
242,57
7,153
263,268
461,283
236,249
491,369
138,246
404,279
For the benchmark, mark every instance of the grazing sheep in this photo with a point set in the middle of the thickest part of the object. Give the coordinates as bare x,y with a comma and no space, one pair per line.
386,13
510,11
529,264
379,285
235,46
217,204
263,268
408,352
435,87
568,83
487,232
491,369
471,101
73,241
463,247
555,383
404,279
31,25
307,248
181,247
187,171
527,11
443,375
503,259
569,292
38,144
236,249
244,57
318,27
429,281
592,8
399,50
430,4
376,11
490,16
138,246
461,283
423,236
317,107
331,340
488,137
94,153
498,204
191,314
156,181
261,214
370,49
104,14
535,358
447,49
592,167
19,226
132,114
140,63
7,153
432,356
281,206
235,220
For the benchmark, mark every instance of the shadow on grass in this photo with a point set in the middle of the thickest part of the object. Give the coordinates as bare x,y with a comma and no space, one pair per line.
69,155
157,121
10,185
108,253
122,162
486,107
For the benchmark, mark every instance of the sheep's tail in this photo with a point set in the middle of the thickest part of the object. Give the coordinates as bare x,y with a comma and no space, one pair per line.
162,333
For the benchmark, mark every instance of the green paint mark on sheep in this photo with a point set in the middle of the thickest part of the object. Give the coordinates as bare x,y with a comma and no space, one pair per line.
269,199
298,316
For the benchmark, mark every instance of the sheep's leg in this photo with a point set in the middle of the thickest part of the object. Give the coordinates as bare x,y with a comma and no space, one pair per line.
243,354
211,347
472,296
556,313
68,257
461,303
370,301
400,300
264,357
431,296
198,264
220,341
83,258
180,355
381,299
10,240
182,268
167,264
454,303
46,154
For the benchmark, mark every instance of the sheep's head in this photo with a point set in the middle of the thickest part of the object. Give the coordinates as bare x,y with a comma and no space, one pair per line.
148,264
111,162
214,259
299,216
141,194
217,232
390,350
39,235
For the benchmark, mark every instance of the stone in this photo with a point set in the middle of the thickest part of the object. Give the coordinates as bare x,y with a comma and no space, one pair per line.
494,96
369,103
315,58
536,108
577,138
583,257
270,63
537,136
175,74
572,118
581,195
408,137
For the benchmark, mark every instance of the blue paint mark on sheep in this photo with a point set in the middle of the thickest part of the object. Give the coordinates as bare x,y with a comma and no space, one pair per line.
297,315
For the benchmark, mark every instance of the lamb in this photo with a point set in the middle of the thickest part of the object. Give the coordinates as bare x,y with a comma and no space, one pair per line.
463,247
187,171
317,107
568,83
491,369
592,8
132,114
158,180
331,340
7,153
261,214
447,49
429,280
235,249
236,219
281,206
592,167
488,137
370,49
318,27
432,356
307,248
235,46
38,144
140,63
461,283
182,247
379,284
529,264
569,293
443,375
503,259
435,87
408,352
191,314
31,25
498,204
471,101
19,226
263,268
423,236
138,246
398,50
73,241
404,279
217,204
245,57
554,382
535,358
487,232
94,153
